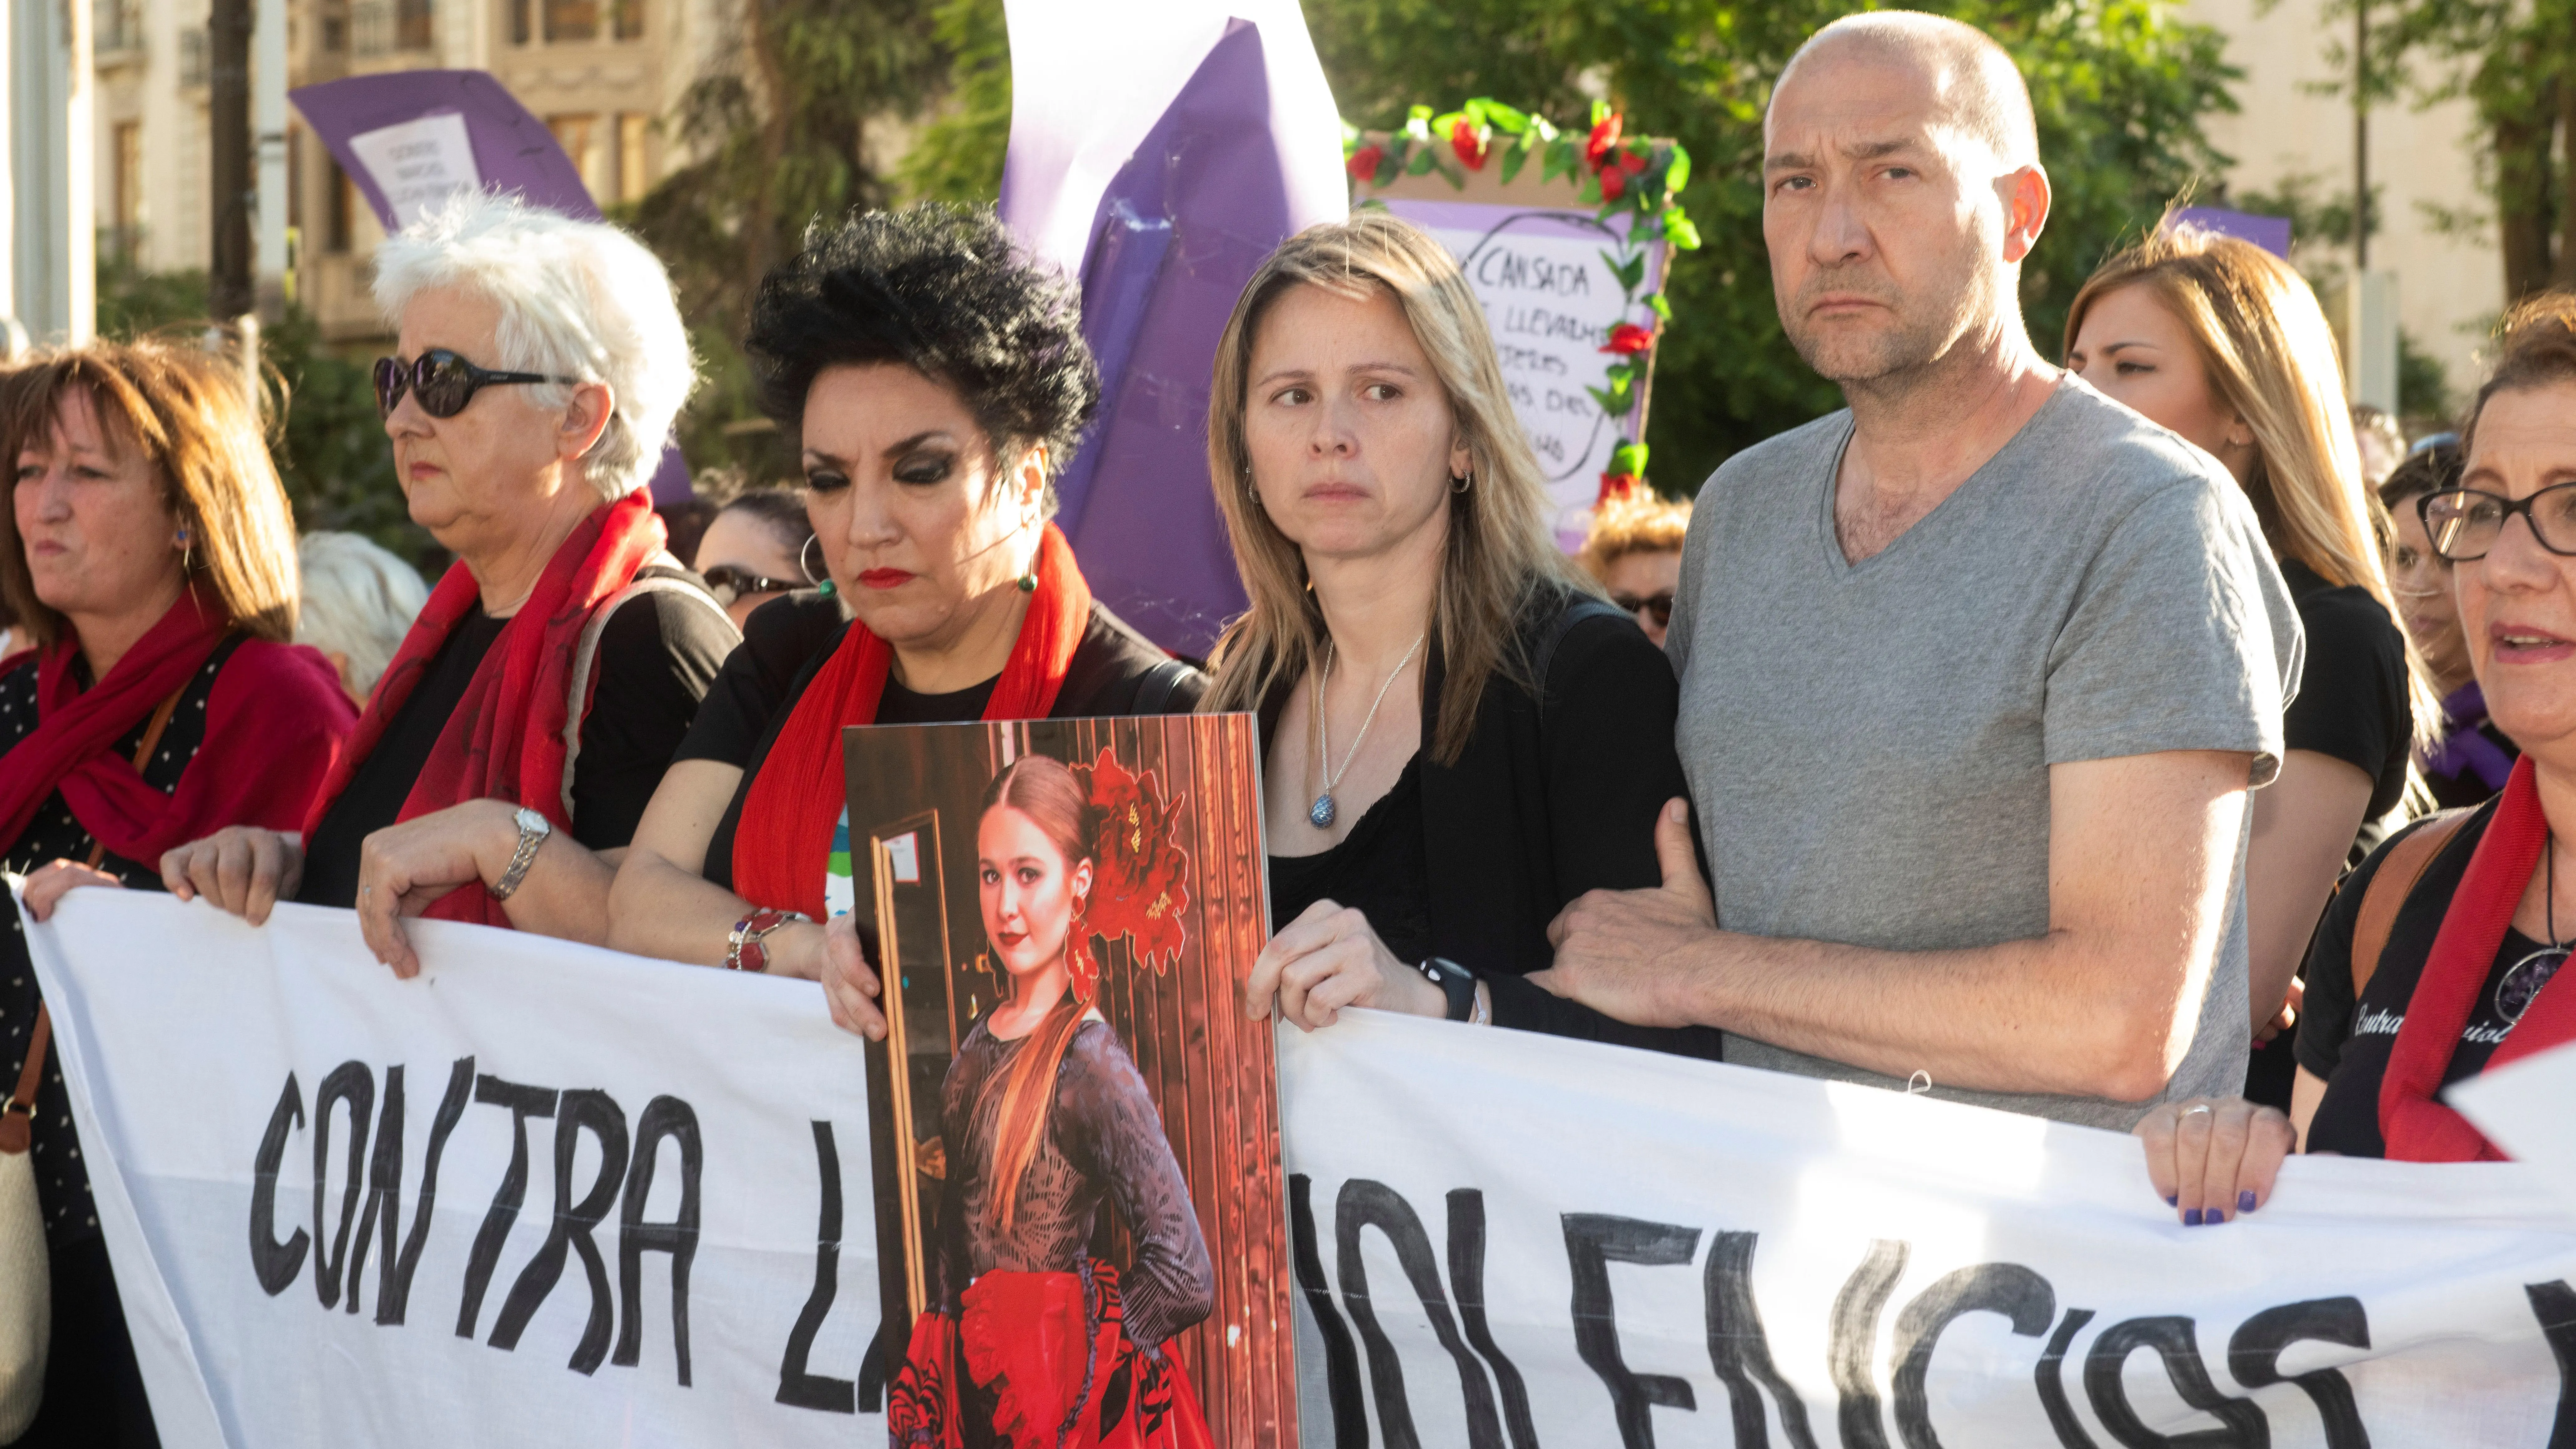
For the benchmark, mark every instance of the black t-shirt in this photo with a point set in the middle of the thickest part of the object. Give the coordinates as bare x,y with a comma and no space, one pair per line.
2352,703
656,659
787,640
2348,1044
1383,867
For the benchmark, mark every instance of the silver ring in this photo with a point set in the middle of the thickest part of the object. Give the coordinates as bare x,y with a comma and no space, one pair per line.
2203,1107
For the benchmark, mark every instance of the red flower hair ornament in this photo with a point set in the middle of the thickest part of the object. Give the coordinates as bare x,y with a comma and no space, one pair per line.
1139,870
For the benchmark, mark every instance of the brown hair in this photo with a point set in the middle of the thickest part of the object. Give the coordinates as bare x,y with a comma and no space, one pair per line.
2536,347
1639,523
1500,551
1047,792
184,408
2270,358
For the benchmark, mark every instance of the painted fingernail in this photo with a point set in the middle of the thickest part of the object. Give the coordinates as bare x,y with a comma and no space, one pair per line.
2190,1216
2213,1217
2245,1201
2171,1198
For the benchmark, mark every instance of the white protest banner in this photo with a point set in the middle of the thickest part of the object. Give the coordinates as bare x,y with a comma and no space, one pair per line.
1501,1239
418,164
542,1194
1511,1240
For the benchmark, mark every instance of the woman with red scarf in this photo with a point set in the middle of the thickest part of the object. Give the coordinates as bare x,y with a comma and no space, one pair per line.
150,558
2452,932
529,714
937,381
1047,1121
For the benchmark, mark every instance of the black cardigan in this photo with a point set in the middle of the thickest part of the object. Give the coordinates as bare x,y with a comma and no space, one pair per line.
1545,804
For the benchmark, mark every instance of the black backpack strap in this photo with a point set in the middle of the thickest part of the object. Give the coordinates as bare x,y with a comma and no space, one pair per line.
1584,607
1154,692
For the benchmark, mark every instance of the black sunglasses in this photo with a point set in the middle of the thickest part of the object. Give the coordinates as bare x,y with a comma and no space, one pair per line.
2464,523
1660,605
729,582
443,381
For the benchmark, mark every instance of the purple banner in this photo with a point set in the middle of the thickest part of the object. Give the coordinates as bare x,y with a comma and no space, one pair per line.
2271,233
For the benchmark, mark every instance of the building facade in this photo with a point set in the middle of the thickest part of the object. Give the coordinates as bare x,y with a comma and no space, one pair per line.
603,74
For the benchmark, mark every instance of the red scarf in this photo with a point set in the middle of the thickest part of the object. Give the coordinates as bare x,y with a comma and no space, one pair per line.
505,740
299,710
784,840
2417,1127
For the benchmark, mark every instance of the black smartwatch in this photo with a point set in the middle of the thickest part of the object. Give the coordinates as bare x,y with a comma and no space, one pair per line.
1456,982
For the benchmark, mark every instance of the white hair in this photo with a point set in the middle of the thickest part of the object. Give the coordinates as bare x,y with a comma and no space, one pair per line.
578,299
359,601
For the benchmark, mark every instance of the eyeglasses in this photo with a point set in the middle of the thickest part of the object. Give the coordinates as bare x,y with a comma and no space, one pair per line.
729,582
2463,523
1661,605
443,381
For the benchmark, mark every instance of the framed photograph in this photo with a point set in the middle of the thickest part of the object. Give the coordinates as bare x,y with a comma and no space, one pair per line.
1075,1134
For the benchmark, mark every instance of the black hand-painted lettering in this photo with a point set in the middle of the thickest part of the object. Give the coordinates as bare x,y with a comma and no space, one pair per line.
798,1388
2174,1342
1855,1336
523,1103
1341,1359
1593,1241
1365,1204
2010,1289
395,1295
574,1225
352,1082
2050,1377
384,1186
1741,1352
275,1264
2254,1356
672,1118
2554,1304
1467,1284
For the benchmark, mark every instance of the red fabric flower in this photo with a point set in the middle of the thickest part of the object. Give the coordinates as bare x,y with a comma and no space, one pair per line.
1628,339
1468,144
1604,138
1632,162
1139,871
1614,183
1364,163
1615,486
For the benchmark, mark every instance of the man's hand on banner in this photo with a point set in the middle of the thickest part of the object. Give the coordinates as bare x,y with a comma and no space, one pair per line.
1616,950
850,985
2214,1155
1329,958
241,869
47,883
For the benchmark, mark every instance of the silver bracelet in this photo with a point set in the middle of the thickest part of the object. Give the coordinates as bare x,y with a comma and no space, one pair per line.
533,830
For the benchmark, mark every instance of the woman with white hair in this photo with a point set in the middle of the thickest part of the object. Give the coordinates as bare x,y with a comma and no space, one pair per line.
359,604
531,710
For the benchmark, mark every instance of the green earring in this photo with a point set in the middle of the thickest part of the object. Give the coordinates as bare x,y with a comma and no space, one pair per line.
825,589
1029,583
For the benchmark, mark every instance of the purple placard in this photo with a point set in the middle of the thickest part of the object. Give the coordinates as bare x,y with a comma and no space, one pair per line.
2271,233
512,152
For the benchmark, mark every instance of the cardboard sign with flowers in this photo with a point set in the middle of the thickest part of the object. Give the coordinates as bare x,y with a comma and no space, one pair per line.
1566,234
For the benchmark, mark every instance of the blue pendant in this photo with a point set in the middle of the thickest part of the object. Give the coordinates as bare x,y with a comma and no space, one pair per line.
1322,814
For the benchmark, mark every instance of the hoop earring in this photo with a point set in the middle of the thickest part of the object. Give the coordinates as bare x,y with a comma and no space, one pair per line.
821,585
1461,485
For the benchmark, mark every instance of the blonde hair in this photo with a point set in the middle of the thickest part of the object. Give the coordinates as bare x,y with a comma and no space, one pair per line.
185,409
1500,551
1638,523
2270,359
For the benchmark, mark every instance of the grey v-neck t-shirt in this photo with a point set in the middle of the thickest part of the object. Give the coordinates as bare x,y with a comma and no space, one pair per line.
1868,744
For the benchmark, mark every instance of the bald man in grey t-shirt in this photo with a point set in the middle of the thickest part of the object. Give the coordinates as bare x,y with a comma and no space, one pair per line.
1977,676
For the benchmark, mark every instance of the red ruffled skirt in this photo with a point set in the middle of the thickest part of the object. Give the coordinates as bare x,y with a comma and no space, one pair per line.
1050,1352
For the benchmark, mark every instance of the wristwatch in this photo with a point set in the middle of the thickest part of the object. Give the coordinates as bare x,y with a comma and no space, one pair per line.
1455,981
744,950
533,830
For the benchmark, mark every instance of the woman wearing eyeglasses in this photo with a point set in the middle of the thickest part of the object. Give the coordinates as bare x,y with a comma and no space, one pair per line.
533,707
2223,343
756,548
1635,551
2458,929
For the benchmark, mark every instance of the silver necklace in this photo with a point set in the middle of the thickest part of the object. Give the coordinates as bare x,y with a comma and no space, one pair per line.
1323,810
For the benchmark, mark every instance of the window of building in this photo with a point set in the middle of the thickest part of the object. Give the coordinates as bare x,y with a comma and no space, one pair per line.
586,142
335,33
633,177
127,178
344,204
412,24
629,18
520,34
571,20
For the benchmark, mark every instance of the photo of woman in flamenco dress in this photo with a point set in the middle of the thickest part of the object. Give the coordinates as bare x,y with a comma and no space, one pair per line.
1031,1341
